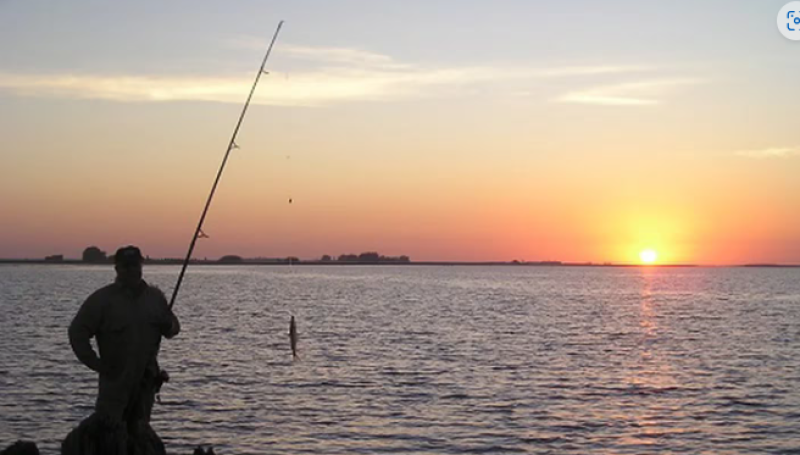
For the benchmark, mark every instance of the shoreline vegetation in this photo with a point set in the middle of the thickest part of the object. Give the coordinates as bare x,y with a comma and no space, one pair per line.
94,255
317,262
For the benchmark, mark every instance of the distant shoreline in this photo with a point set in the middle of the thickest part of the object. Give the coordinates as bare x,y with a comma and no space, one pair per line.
382,264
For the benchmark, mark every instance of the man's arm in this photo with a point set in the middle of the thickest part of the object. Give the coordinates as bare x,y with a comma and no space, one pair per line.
174,327
171,325
83,327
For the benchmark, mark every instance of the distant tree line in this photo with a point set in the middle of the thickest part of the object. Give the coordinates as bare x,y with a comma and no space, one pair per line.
234,259
94,254
231,259
369,257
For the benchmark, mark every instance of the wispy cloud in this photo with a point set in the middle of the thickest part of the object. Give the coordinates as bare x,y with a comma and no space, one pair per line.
320,55
774,152
643,93
124,88
338,55
312,88
589,70
330,75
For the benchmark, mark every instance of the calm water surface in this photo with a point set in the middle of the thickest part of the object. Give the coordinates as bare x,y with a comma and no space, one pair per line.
433,360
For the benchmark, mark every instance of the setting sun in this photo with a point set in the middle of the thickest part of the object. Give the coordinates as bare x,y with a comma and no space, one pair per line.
648,256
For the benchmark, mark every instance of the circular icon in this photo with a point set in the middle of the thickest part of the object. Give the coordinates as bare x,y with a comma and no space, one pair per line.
789,21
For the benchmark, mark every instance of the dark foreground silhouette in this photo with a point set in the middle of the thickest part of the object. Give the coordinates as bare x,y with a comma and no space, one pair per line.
100,435
30,448
21,448
127,319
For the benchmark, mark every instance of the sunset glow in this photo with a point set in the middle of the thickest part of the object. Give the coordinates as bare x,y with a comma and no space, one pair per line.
648,256
561,132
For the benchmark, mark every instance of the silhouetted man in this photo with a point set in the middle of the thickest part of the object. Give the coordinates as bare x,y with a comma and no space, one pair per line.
127,319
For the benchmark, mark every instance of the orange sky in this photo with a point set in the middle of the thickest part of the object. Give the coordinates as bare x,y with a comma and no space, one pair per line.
512,151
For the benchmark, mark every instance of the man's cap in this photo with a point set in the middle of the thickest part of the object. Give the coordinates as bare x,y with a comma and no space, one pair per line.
128,255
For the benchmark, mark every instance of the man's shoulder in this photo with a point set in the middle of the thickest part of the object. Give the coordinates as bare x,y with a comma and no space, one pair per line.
156,292
96,303
104,293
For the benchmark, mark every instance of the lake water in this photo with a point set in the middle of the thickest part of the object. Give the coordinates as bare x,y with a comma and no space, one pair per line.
433,360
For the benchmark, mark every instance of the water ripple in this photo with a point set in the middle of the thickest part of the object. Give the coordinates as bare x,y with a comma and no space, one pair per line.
434,360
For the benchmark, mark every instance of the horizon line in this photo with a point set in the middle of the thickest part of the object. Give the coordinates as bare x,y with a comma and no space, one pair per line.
295,261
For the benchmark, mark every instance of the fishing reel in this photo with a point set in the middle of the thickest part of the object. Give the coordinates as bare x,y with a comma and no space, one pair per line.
163,377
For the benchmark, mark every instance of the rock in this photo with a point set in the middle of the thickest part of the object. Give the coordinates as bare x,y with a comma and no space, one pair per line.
99,435
21,448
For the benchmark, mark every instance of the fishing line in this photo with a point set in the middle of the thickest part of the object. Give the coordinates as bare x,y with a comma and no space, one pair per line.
231,145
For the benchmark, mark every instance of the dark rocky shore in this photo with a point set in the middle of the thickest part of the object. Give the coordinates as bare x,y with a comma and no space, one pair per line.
30,448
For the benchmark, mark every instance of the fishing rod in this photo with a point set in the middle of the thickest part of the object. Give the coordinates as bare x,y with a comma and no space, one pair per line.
231,145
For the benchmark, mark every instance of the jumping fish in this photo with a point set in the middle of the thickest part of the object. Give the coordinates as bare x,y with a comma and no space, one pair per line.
293,337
